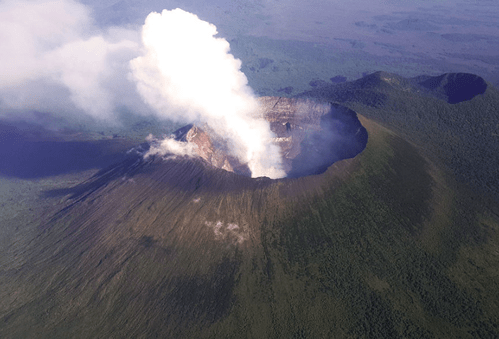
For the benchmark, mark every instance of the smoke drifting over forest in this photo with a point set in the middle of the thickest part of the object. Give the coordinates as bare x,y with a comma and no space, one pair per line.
59,62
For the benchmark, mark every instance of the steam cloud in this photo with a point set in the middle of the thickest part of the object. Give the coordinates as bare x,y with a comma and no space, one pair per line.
53,59
188,74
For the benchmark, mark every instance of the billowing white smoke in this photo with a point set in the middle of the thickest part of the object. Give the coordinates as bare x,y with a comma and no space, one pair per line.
53,59
187,74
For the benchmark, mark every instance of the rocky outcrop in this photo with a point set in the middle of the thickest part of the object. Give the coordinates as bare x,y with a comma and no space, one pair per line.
213,149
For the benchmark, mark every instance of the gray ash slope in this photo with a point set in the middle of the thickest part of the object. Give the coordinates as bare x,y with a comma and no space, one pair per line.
382,245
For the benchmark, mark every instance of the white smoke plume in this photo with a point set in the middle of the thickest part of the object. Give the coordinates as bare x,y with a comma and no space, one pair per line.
186,74
54,59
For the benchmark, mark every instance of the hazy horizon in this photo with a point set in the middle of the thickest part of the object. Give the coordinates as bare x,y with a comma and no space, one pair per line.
282,45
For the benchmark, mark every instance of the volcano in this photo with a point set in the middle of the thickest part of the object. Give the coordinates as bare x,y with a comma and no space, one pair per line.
378,230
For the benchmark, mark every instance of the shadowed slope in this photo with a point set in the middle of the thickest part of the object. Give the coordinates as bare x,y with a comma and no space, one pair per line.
32,152
178,248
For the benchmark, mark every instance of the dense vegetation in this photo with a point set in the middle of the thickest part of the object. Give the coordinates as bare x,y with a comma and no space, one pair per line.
463,135
384,245
379,246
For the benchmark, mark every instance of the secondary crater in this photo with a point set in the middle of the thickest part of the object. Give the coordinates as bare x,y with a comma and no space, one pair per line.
455,87
311,135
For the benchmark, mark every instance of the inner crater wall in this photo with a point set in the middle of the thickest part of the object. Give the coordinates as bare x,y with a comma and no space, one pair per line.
312,134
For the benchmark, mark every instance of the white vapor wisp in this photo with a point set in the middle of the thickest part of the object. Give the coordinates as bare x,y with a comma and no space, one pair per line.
168,146
187,74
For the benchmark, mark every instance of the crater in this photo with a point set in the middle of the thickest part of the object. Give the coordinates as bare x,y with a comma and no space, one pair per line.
456,87
311,135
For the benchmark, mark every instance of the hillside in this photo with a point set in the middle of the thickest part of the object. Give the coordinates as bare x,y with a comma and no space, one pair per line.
453,117
383,245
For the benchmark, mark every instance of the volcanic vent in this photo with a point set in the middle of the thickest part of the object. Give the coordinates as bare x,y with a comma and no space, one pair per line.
311,135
